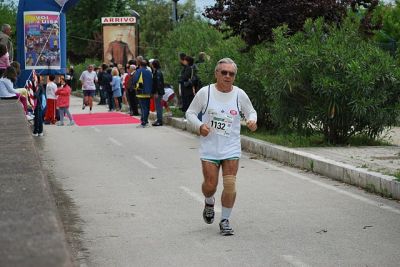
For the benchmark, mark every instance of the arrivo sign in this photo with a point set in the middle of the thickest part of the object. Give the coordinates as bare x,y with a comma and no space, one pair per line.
118,20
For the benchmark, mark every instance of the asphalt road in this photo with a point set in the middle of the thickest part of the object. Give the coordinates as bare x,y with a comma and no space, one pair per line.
137,202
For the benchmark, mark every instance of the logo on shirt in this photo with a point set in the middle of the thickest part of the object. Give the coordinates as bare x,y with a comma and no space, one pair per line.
233,112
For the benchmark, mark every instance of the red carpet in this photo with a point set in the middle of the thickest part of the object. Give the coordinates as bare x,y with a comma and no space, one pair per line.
108,118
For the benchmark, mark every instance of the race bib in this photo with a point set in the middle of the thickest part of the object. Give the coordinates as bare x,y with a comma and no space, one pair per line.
221,123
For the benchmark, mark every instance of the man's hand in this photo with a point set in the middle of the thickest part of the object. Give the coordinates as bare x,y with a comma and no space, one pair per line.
252,125
204,130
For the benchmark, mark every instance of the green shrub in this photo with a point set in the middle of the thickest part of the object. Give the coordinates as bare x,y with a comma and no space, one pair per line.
190,37
329,80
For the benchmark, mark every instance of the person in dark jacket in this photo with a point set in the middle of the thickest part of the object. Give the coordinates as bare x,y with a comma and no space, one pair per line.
158,90
106,84
143,81
39,94
130,91
188,82
102,92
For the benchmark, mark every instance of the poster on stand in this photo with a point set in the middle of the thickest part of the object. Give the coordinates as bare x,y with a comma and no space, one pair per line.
42,40
119,44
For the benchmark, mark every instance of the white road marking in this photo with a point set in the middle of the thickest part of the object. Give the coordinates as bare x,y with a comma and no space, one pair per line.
332,188
97,130
145,162
293,261
198,197
182,133
114,141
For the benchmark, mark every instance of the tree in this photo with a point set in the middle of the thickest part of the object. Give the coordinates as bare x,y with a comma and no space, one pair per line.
255,20
389,35
84,26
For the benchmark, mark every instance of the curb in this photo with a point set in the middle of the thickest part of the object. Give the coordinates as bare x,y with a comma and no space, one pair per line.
373,182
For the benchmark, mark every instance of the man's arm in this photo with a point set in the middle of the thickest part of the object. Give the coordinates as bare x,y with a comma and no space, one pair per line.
195,108
248,111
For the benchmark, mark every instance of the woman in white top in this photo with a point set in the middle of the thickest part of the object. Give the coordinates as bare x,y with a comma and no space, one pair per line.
221,104
51,88
7,90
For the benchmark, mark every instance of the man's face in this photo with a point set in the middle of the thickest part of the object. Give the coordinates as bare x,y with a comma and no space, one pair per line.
90,68
225,74
8,31
119,37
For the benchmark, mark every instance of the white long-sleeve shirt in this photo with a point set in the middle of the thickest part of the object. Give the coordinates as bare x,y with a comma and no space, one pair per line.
199,104
7,88
51,89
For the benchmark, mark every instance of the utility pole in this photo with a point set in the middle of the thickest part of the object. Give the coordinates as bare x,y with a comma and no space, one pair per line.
175,10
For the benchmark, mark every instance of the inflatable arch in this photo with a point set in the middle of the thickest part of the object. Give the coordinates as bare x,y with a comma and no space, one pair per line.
41,37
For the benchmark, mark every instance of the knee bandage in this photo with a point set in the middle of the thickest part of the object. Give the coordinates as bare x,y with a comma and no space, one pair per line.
229,184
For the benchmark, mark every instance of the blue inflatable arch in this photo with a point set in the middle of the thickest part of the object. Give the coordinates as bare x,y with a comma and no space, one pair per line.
41,37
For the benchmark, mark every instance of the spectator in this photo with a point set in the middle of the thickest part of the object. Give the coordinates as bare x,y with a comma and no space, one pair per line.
131,92
168,97
123,102
17,67
63,94
7,90
188,83
39,95
143,84
51,88
116,87
158,90
102,88
69,78
107,79
4,59
180,81
5,39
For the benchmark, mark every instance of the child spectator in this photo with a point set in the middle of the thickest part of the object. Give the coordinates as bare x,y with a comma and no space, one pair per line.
51,87
168,97
4,59
39,95
63,93
7,90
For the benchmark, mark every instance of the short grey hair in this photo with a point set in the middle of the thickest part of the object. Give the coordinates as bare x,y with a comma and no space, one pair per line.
226,60
5,27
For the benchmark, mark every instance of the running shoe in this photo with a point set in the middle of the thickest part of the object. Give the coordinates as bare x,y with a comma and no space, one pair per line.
35,134
40,134
83,106
225,228
208,213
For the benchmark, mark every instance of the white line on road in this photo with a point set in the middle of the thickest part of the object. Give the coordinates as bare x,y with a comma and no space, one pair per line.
333,188
114,141
97,130
198,197
145,162
180,132
293,261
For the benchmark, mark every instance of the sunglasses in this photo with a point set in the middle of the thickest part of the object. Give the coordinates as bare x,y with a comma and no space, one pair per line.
225,73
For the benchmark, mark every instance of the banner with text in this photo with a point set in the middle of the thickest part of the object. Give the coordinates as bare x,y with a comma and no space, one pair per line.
42,40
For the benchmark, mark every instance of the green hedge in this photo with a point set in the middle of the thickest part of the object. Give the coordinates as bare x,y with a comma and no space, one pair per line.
329,80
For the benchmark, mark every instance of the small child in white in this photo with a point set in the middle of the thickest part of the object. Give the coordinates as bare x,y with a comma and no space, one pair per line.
168,97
